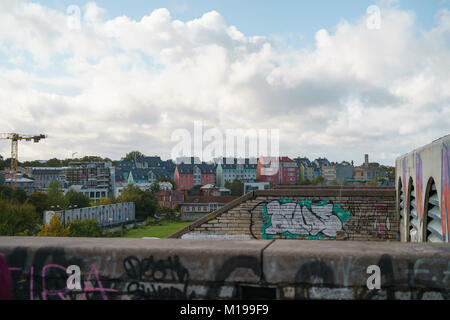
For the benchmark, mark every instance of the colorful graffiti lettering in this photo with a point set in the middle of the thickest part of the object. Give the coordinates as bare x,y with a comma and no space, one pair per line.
380,227
6,283
303,218
405,186
445,196
419,185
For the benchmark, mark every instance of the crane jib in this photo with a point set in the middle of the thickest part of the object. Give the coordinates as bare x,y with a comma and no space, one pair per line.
15,138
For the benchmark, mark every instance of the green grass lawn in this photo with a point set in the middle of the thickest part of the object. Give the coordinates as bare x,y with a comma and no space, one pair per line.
163,231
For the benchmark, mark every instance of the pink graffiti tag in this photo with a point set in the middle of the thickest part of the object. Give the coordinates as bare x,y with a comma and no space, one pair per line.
419,187
405,186
101,289
445,191
6,285
381,210
60,293
63,291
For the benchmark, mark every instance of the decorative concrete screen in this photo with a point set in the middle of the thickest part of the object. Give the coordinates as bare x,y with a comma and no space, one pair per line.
303,213
105,215
423,193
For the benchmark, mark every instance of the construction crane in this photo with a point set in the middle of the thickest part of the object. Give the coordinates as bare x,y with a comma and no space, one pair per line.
15,138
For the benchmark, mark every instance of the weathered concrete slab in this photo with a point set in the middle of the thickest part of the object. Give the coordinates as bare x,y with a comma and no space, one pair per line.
339,269
168,268
217,269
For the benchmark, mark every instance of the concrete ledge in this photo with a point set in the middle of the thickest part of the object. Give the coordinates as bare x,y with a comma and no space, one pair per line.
200,269
327,192
341,269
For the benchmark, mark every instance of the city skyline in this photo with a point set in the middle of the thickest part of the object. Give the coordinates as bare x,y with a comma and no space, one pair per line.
126,79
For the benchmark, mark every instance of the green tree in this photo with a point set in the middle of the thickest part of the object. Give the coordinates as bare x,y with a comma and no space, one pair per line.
305,182
6,193
105,201
168,214
145,202
345,182
77,200
19,195
53,163
40,201
154,188
319,181
56,199
148,206
3,163
17,219
237,188
131,156
54,228
334,182
85,229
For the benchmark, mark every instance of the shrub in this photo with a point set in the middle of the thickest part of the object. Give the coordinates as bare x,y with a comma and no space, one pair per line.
54,228
17,219
85,228
151,221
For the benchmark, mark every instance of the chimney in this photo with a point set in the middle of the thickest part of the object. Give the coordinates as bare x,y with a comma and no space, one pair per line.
366,160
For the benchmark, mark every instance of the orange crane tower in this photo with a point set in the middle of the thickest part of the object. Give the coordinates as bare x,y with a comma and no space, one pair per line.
15,138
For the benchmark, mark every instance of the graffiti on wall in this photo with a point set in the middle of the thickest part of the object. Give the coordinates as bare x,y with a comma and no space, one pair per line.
46,277
318,279
166,277
419,188
372,220
405,187
303,218
380,227
445,191
150,279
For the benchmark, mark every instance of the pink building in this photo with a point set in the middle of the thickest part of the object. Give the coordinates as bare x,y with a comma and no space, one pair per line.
277,170
187,176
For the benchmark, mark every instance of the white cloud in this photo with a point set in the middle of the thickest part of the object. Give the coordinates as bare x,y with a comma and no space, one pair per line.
122,84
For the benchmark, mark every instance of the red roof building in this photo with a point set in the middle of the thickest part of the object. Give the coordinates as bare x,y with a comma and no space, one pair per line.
277,170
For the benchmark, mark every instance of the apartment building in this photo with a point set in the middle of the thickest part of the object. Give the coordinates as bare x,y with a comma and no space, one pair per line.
187,176
227,170
43,176
277,170
90,178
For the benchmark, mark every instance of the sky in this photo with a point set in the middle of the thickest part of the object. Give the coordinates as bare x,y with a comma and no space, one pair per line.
107,77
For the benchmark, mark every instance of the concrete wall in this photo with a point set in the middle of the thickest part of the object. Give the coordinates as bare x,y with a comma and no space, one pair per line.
105,215
199,269
415,174
303,213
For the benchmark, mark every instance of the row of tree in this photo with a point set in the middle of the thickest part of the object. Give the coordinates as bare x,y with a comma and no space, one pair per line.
6,162
23,215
